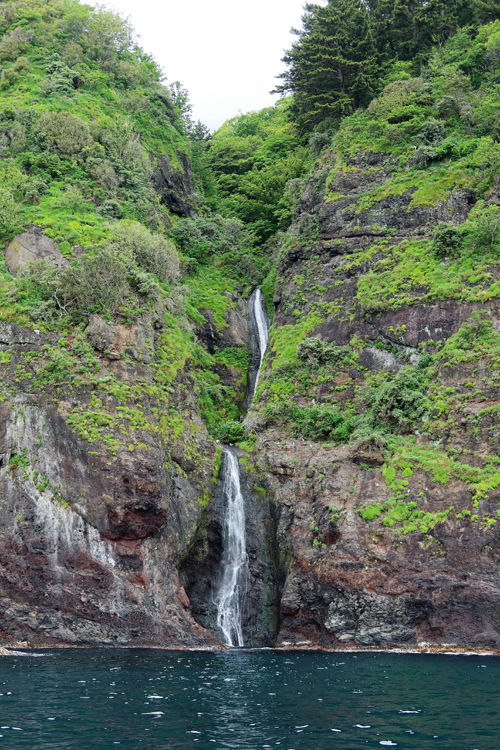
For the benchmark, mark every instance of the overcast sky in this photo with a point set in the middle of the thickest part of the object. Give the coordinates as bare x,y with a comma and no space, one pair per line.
225,52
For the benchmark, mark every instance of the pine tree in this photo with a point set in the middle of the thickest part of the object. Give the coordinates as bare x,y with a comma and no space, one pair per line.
488,10
332,67
408,29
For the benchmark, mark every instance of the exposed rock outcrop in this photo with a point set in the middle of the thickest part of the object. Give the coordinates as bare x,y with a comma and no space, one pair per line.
93,527
175,185
30,246
355,580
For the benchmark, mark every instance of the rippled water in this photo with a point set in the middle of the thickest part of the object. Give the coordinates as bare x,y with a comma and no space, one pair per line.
94,699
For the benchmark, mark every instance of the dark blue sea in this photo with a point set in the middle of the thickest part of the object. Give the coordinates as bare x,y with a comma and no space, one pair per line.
160,700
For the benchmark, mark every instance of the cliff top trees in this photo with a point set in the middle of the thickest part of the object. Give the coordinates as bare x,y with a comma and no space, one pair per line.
338,60
332,68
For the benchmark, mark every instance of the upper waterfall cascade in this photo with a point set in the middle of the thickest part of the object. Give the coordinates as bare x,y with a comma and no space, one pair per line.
234,558
259,327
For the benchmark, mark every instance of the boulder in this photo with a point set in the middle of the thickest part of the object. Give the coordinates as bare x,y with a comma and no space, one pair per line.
30,246
100,334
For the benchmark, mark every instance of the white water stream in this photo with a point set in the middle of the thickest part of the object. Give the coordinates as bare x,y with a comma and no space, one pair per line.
234,552
234,556
262,330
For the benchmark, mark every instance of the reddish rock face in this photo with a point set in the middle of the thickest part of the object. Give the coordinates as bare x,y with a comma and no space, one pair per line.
90,539
361,586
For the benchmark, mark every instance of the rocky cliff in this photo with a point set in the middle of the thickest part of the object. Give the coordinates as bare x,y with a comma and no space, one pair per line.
393,538
370,454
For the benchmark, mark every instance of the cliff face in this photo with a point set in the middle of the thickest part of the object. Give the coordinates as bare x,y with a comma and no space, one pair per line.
111,517
92,532
370,455
382,544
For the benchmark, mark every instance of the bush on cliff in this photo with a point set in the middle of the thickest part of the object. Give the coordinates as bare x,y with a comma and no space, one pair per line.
316,353
447,241
392,404
325,422
121,270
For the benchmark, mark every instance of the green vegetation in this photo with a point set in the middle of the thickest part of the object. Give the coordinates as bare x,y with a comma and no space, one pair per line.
401,96
253,158
347,47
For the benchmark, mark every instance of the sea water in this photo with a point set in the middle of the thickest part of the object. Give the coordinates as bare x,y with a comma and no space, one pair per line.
93,699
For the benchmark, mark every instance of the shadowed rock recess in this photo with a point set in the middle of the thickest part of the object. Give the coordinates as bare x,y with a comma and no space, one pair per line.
370,453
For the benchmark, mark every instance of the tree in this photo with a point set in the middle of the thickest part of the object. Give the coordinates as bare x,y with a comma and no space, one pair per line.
489,10
333,67
343,49
407,29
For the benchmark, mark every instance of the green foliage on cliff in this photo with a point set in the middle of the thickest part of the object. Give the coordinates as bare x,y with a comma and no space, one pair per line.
345,49
253,158
84,117
82,107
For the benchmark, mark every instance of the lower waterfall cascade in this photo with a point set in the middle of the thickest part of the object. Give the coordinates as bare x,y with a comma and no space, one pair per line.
234,558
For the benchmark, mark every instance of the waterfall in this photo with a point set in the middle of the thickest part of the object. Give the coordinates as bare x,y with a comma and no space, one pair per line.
259,325
234,553
234,556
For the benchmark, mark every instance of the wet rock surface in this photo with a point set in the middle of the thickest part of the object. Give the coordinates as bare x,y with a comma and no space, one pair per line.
201,570
175,185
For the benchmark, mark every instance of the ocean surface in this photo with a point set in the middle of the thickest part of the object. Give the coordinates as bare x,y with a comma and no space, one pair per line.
95,699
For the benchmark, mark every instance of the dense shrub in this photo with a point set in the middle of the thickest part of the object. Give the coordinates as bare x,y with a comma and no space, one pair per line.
98,282
393,405
447,241
200,238
483,229
15,43
152,251
321,423
63,133
479,328
432,132
318,353
230,432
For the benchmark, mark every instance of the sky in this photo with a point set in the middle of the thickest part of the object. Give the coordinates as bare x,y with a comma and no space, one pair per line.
226,53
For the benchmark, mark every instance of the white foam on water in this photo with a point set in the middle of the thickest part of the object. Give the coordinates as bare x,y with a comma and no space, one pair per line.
388,743
410,712
363,726
335,730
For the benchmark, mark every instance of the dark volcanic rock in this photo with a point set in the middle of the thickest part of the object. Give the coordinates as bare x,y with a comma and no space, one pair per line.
351,582
90,539
201,569
175,185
